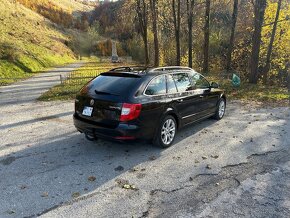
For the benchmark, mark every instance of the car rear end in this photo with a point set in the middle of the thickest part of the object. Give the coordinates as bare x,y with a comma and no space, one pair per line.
106,107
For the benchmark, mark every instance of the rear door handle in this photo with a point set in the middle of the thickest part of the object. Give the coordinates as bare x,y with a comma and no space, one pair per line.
201,96
179,100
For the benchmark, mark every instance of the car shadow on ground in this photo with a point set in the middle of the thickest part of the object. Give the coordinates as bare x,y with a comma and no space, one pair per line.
50,173
35,120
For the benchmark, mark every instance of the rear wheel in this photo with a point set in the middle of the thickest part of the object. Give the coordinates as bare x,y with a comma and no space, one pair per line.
166,132
221,109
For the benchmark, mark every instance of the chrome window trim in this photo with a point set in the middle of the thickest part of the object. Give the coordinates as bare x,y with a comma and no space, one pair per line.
151,81
203,78
193,71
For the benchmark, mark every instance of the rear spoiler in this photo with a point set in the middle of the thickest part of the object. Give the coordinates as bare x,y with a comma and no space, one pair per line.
131,68
121,74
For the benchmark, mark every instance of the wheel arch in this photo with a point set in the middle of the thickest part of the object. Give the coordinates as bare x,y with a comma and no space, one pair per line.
172,112
223,96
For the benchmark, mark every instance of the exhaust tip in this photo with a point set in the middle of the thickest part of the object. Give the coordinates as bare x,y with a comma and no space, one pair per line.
90,136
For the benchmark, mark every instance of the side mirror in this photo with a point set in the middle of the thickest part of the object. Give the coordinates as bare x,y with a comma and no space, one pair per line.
214,85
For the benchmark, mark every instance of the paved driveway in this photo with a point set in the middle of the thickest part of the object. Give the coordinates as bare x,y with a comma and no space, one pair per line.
30,89
226,168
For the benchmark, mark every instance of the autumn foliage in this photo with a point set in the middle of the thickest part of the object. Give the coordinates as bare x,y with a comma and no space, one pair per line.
50,11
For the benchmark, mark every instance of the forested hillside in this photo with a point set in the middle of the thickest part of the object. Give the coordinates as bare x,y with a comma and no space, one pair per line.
219,37
31,41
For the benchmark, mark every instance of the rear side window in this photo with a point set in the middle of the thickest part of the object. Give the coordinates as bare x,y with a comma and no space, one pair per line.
171,87
117,85
182,82
157,86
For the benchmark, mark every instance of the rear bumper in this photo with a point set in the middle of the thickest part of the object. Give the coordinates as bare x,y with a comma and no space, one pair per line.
123,132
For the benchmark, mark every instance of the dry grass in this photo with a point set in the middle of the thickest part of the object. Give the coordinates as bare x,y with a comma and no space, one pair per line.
76,81
275,95
28,43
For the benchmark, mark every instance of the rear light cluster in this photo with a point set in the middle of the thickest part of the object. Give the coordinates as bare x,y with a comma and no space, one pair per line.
130,111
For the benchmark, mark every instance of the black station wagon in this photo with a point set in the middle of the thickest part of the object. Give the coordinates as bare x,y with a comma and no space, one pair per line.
131,103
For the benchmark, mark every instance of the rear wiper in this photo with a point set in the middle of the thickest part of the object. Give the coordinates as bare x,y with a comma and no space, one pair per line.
104,93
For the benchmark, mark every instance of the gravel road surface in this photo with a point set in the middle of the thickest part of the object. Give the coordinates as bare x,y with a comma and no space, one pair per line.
239,166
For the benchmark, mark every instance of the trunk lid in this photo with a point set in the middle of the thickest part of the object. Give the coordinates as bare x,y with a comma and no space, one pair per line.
101,100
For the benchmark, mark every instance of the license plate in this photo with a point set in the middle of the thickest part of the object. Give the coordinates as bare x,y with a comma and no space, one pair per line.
88,111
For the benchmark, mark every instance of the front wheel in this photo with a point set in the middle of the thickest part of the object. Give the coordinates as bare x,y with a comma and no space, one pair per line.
221,109
166,132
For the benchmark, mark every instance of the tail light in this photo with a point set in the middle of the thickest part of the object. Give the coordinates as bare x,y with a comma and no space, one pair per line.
130,111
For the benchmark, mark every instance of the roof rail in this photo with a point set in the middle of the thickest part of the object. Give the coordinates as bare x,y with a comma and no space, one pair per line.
130,68
169,68
120,69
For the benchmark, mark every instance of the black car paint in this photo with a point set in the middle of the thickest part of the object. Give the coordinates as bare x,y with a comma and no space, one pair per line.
187,107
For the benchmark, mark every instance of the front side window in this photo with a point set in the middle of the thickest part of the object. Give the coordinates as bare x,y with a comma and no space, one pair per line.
199,82
182,82
157,86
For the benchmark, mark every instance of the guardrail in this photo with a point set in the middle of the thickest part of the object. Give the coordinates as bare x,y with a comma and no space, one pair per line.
72,79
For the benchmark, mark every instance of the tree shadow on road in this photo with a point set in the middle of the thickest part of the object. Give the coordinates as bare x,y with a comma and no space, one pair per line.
51,173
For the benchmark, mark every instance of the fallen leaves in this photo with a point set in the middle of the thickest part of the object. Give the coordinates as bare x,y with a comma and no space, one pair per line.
91,178
119,168
75,195
128,186
10,211
44,194
214,156
136,169
23,187
152,157
125,184
121,182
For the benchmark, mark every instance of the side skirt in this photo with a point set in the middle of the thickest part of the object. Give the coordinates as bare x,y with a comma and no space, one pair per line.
202,118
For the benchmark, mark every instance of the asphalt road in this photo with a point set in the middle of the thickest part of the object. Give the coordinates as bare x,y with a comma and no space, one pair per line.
239,166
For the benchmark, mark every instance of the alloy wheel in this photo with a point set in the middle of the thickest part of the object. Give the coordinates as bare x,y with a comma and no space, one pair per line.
222,107
168,131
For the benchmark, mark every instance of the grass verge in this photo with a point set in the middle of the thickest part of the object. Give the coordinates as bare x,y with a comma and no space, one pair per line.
29,43
76,80
271,95
265,95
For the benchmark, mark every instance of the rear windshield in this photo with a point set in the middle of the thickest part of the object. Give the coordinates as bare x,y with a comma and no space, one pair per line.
115,85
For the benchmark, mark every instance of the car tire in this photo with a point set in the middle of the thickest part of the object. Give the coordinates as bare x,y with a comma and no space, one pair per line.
166,132
220,110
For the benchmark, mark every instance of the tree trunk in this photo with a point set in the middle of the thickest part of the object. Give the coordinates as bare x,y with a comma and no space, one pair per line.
259,12
143,24
190,4
154,11
146,49
206,38
177,18
232,37
288,83
270,47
